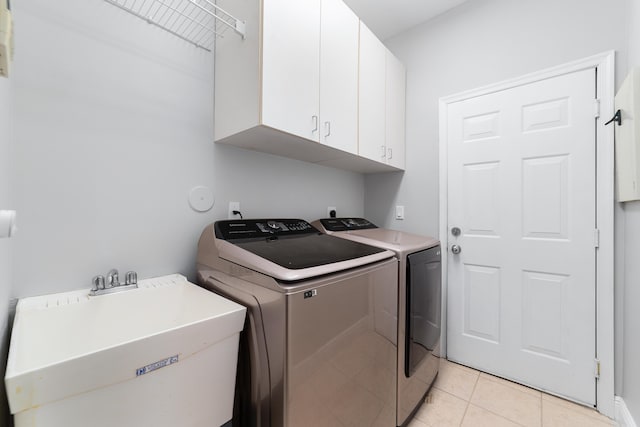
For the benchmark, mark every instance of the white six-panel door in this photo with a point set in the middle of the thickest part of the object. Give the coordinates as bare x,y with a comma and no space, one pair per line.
521,189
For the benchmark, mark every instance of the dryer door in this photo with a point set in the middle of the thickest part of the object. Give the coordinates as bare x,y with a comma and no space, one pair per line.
423,307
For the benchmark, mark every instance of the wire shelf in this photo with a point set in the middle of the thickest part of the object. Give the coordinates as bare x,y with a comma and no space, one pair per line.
198,22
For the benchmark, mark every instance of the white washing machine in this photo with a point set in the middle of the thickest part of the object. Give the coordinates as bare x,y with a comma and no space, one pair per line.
417,317
311,353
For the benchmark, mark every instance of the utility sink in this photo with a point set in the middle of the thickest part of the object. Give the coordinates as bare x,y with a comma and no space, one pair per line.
162,354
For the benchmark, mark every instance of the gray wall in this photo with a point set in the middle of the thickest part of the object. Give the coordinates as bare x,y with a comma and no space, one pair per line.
631,268
479,43
6,138
113,126
487,41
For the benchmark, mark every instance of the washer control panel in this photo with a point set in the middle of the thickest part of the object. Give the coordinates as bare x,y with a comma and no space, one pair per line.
344,224
260,228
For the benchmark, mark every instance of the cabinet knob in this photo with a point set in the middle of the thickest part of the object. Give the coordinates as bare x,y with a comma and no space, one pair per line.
389,153
327,128
314,119
384,151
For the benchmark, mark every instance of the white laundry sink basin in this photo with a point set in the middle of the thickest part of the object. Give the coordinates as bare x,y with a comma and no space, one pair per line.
67,344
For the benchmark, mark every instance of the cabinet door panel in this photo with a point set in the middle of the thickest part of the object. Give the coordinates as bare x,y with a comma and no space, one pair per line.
339,28
395,105
290,66
372,96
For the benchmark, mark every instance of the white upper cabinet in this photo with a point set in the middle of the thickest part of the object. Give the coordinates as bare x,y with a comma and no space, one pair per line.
339,76
395,111
371,143
382,102
292,87
291,66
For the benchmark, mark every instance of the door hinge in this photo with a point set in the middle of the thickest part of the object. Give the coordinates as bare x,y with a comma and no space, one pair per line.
596,238
597,369
597,108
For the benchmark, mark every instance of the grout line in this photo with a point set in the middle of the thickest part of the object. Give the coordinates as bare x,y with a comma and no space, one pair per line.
492,412
541,410
501,416
470,397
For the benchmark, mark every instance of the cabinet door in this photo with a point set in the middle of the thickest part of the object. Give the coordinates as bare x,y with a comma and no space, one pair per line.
290,66
395,114
339,28
371,122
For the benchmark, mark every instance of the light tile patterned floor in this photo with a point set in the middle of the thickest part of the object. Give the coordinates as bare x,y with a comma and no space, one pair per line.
465,397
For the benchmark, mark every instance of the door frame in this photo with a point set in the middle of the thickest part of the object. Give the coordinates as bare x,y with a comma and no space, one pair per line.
604,64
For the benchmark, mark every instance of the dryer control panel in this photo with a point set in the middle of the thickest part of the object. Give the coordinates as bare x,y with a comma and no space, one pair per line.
345,224
260,228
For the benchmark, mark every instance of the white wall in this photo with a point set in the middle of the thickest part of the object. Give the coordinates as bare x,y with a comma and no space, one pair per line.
631,268
475,44
113,125
5,244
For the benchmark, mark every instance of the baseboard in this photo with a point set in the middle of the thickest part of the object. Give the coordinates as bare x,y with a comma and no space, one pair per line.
623,416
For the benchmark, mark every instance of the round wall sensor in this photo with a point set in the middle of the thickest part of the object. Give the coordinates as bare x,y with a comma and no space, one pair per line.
201,199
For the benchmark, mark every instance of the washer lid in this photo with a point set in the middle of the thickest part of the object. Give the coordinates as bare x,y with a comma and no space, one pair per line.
290,249
363,231
310,250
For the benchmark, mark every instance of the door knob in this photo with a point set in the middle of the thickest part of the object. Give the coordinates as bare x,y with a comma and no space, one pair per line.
456,249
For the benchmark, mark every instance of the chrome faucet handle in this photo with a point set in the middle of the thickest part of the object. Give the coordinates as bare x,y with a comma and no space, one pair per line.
111,283
131,278
112,278
98,283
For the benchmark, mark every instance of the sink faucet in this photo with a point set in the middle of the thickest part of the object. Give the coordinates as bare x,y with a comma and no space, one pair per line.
112,283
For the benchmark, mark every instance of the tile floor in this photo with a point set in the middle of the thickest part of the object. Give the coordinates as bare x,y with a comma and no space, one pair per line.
465,397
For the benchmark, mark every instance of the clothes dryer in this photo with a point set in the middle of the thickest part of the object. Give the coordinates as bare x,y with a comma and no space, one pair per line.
417,317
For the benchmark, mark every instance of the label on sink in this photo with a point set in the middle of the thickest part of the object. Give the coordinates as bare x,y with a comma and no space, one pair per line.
157,365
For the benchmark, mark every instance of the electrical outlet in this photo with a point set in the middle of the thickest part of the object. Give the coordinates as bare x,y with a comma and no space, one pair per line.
331,208
399,212
233,206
